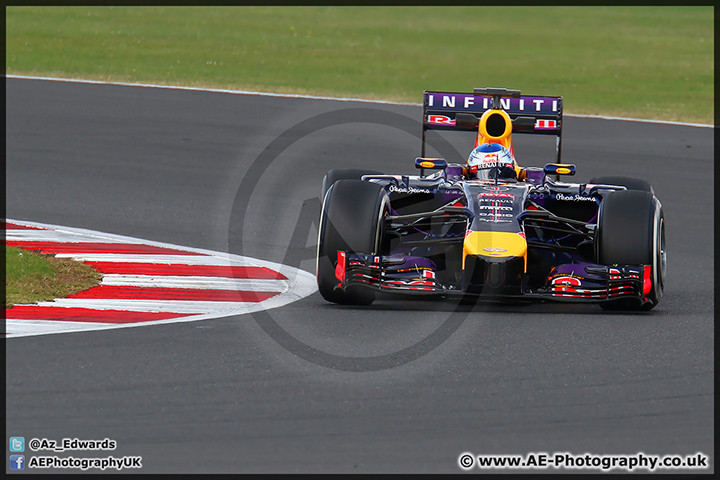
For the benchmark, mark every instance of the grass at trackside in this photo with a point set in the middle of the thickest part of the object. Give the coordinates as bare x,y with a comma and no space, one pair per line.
31,277
654,62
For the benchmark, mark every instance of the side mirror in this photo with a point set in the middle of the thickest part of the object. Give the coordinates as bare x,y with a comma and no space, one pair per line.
559,169
431,163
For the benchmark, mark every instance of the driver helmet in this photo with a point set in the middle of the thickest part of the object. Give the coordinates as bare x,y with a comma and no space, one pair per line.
491,161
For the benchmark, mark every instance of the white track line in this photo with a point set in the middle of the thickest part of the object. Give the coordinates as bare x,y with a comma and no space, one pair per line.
48,236
172,306
24,328
209,283
199,260
312,97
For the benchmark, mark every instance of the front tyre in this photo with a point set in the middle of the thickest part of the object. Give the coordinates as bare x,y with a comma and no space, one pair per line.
631,231
352,219
336,174
630,183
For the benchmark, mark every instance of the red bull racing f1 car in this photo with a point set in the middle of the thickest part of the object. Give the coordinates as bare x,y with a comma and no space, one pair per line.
489,229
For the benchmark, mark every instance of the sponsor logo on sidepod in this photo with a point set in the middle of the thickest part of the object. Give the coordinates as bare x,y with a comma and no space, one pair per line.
574,198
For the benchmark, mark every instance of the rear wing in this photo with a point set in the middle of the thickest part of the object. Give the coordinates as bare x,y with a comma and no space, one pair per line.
529,113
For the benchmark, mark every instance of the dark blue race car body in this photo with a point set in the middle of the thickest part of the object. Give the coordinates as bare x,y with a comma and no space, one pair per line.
443,232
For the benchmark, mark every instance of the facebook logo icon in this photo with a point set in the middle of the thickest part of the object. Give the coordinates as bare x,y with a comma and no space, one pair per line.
17,462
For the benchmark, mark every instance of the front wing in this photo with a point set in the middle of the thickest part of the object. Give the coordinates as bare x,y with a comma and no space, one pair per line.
565,283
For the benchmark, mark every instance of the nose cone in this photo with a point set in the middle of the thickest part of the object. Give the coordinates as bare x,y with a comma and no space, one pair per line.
495,246
494,262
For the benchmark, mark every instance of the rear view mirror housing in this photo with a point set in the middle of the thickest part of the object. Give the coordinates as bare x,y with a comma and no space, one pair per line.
559,169
430,163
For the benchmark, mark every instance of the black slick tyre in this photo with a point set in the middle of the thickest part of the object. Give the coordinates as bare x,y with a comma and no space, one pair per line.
631,231
628,182
336,174
351,220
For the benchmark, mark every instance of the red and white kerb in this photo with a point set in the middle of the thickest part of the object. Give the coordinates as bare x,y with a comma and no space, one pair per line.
146,283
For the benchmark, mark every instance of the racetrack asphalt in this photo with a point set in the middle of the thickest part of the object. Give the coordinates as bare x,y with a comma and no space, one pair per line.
311,387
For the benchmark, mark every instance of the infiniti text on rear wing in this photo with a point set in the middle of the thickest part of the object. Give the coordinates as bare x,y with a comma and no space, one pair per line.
530,114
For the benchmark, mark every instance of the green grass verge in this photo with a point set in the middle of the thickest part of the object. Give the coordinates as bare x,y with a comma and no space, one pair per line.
31,277
654,62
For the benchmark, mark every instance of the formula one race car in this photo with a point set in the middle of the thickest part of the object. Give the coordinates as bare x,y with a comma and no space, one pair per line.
489,229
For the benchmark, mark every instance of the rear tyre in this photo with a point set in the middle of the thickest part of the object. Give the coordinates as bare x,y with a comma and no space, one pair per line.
628,182
631,231
352,220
